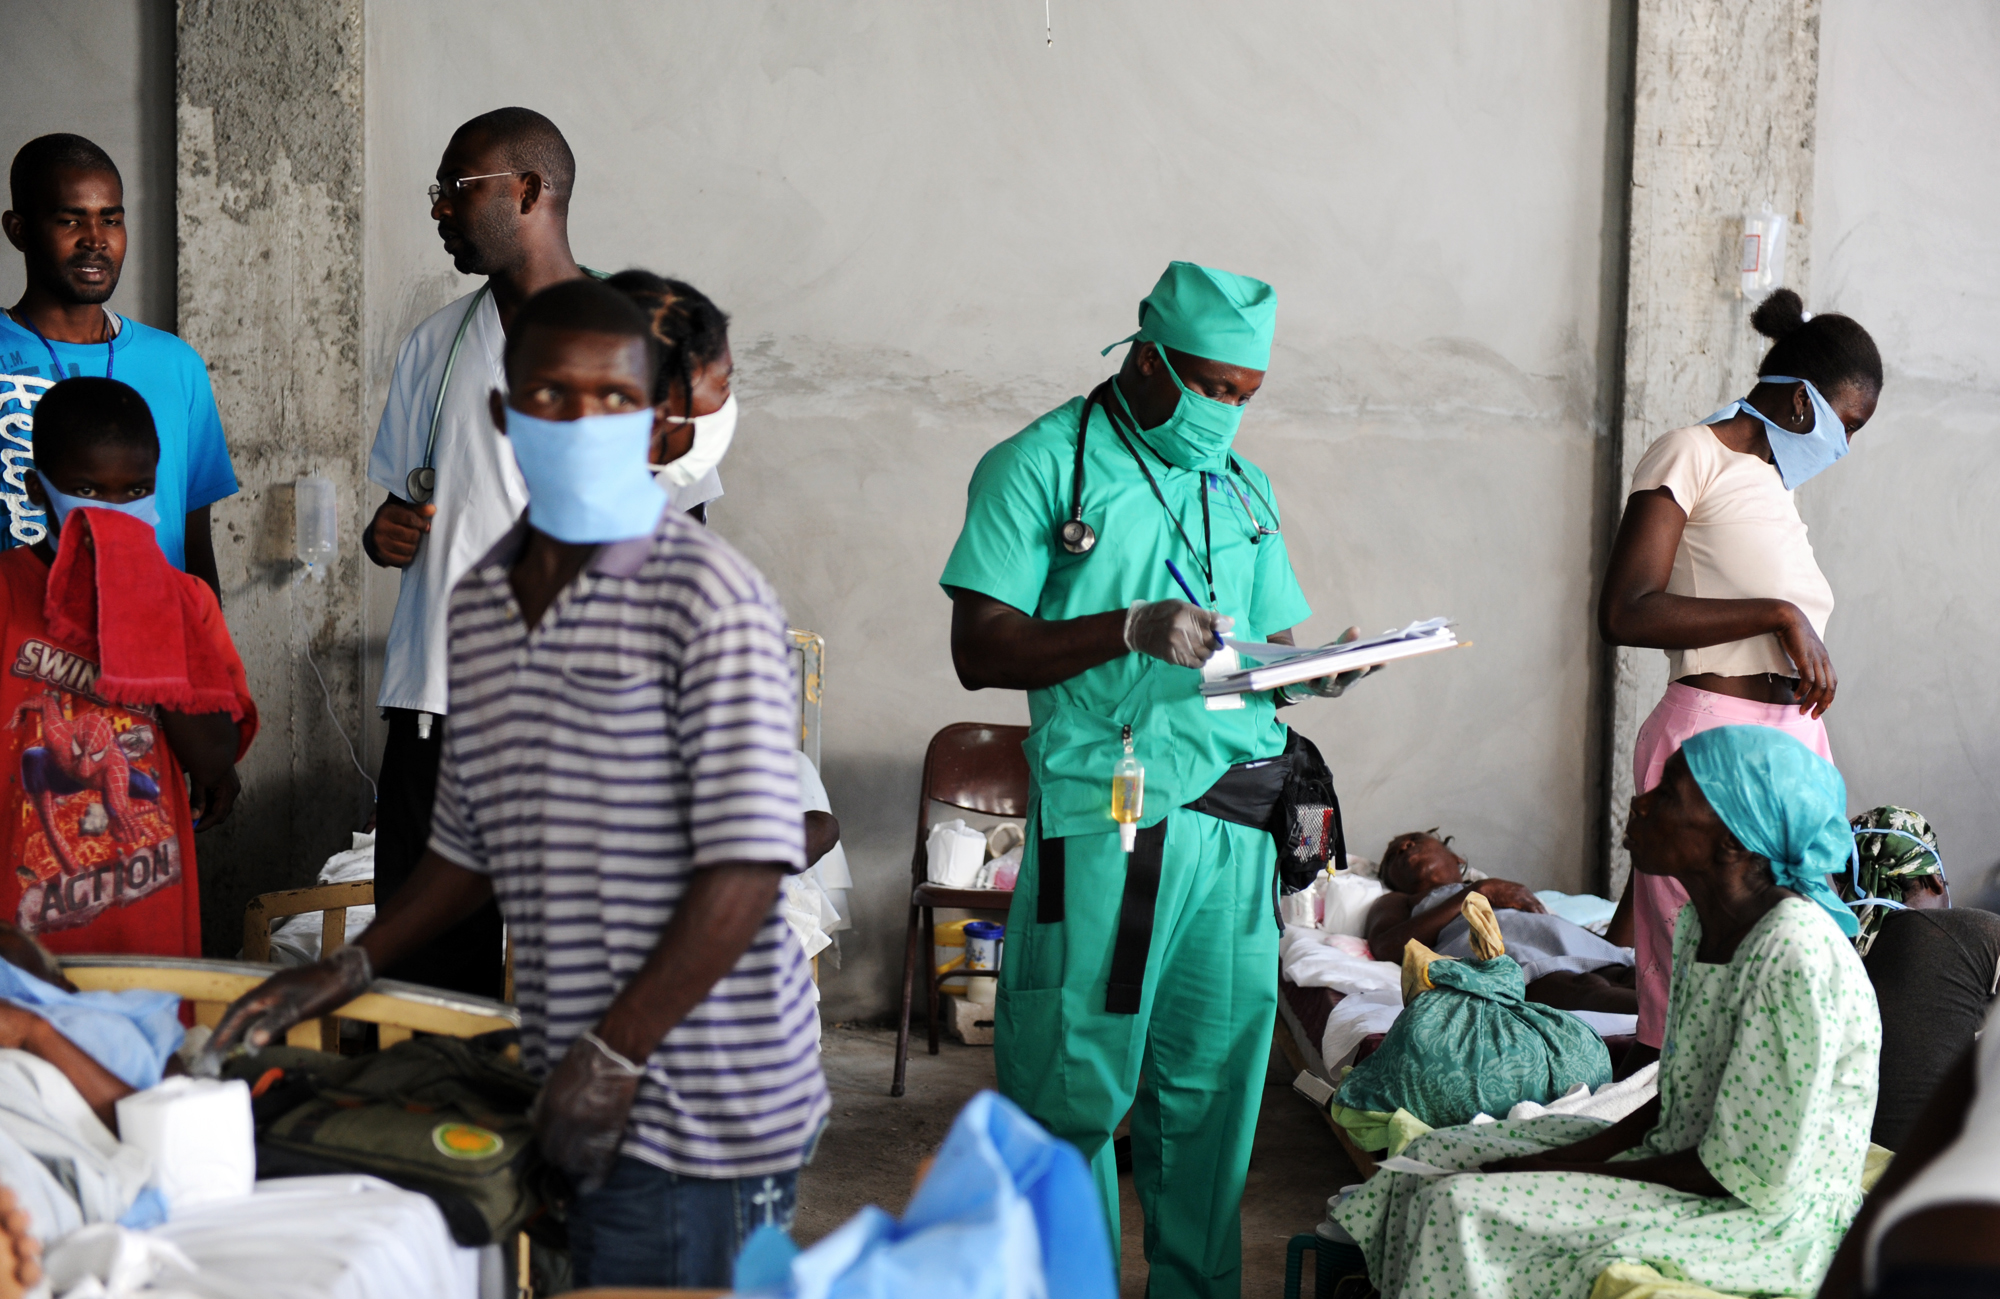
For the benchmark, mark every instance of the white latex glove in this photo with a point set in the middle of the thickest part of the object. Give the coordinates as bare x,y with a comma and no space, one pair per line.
1329,687
1174,631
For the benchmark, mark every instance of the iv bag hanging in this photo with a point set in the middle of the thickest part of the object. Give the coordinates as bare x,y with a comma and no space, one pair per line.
316,523
1763,264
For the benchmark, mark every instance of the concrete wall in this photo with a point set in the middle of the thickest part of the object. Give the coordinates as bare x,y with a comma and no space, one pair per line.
1908,181
102,69
926,222
1722,124
270,210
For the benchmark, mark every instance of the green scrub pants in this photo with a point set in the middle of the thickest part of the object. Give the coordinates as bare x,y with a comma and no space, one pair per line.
1189,1066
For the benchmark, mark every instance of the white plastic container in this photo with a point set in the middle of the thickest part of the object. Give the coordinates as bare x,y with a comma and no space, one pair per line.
316,523
199,1133
955,854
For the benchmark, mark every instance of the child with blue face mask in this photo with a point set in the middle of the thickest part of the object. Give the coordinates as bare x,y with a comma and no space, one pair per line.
126,704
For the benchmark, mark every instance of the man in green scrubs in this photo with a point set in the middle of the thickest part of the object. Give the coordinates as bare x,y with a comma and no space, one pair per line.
1145,981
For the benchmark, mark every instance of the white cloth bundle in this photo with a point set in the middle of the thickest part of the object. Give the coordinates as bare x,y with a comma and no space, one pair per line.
956,854
295,940
1348,898
199,1133
830,875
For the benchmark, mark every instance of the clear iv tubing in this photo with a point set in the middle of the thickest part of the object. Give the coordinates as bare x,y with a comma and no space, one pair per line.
327,694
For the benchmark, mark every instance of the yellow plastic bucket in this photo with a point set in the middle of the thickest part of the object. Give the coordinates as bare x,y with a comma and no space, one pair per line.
949,954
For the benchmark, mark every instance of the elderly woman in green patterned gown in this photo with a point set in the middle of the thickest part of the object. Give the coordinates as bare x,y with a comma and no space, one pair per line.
1745,1171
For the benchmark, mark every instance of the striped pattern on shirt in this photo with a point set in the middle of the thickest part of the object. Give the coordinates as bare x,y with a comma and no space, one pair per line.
643,730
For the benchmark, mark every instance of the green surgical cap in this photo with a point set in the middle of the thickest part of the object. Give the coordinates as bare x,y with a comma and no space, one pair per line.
1211,314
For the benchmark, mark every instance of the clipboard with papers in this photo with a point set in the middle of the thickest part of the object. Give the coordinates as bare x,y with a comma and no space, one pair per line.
1267,667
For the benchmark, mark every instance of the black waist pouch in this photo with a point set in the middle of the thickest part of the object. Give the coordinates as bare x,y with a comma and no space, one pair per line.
1292,797
1248,793
1306,821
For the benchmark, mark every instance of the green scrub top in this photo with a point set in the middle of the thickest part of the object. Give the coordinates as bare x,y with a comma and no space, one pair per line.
1008,550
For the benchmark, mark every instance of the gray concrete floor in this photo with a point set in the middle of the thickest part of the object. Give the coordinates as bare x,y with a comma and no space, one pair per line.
875,1143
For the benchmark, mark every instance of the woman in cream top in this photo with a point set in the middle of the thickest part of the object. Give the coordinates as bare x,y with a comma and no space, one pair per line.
1712,565
1742,539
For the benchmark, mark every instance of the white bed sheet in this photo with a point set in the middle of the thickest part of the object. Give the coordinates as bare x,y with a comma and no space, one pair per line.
336,1237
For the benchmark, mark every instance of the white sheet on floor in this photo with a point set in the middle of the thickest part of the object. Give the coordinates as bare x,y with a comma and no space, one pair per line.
339,1237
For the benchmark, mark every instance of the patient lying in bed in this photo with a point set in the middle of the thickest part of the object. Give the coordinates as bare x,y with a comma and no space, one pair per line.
1566,966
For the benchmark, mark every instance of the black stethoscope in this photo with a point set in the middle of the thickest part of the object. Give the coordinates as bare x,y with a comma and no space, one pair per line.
1079,538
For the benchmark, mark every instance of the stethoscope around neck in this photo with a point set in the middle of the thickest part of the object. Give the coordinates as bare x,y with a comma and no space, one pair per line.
1079,538
421,485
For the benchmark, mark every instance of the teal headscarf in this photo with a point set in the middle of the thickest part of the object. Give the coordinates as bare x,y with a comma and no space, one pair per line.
1211,314
1783,802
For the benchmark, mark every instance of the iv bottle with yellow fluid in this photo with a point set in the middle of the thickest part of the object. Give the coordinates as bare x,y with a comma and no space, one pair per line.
1128,795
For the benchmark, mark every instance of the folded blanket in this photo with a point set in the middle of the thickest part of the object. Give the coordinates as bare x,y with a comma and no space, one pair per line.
114,599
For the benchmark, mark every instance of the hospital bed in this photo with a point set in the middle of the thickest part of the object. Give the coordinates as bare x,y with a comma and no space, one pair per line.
397,1009
1301,1027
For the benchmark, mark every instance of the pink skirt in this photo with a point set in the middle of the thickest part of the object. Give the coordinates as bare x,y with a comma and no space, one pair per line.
1684,711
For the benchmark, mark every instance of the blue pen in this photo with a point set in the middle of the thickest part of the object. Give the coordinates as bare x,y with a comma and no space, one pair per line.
1193,599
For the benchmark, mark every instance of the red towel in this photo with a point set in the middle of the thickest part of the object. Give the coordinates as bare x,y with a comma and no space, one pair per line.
114,599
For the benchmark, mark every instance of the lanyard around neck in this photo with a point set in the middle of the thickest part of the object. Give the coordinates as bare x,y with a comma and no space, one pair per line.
1203,559
55,362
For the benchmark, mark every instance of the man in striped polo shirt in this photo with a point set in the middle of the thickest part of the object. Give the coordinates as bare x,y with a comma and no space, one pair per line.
618,772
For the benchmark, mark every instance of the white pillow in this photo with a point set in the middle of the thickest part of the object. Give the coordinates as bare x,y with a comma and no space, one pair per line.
1348,898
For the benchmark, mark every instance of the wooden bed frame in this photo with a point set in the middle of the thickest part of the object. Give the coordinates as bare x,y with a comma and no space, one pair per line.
398,1009
1363,1161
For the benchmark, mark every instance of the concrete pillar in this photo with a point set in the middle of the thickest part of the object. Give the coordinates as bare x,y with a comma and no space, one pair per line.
269,188
1723,103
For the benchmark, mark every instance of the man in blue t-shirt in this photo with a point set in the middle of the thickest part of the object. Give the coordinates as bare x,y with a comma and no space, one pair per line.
68,220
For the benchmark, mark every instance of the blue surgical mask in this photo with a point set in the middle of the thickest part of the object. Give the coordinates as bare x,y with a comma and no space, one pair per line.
1798,455
146,509
587,478
1201,430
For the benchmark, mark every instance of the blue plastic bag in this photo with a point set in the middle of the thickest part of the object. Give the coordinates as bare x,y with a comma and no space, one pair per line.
1007,1212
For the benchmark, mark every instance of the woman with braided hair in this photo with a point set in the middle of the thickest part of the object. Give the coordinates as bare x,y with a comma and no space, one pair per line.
697,410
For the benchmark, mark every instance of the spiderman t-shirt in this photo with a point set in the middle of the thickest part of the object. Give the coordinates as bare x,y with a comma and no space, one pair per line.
95,817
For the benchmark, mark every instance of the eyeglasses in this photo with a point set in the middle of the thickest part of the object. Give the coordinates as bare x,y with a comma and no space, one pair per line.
456,186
